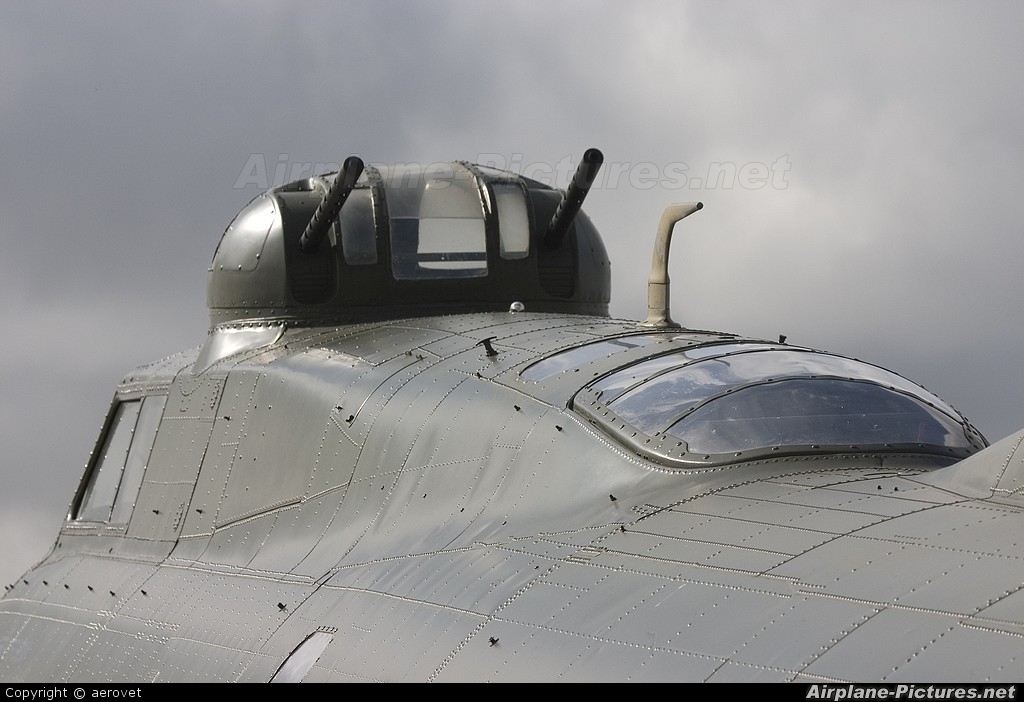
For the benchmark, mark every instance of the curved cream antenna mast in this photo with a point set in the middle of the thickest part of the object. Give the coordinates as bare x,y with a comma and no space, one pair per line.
657,284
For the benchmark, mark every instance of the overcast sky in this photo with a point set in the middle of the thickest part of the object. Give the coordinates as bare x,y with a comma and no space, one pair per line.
861,165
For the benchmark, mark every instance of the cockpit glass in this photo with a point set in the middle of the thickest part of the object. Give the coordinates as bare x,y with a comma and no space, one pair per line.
736,397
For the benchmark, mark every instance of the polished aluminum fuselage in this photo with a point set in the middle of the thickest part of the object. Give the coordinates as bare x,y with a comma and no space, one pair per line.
429,515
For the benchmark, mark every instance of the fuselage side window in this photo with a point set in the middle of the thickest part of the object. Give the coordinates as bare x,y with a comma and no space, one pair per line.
138,457
117,471
98,498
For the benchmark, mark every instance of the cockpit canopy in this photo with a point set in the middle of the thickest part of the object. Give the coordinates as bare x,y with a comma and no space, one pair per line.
408,241
735,401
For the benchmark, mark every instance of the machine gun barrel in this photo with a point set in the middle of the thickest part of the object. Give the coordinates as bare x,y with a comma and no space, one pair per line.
586,174
331,205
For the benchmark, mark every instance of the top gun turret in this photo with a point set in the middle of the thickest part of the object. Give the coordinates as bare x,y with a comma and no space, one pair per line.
404,241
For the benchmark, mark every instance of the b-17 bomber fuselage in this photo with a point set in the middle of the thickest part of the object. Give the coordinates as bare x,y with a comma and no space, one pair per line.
414,447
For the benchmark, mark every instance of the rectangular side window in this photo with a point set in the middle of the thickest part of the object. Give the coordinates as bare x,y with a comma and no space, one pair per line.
118,469
98,498
138,457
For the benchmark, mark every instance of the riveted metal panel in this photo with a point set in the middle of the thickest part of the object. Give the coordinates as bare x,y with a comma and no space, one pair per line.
320,673
478,580
745,673
226,434
557,605
445,440
128,651
146,615
203,607
829,496
473,359
408,636
67,649
34,585
1006,609
239,542
194,397
627,661
713,619
971,564
295,339
338,453
701,552
907,496
180,444
87,583
795,633
510,324
970,580
963,653
74,608
162,372
198,661
777,511
725,619
742,533
178,452
291,466
279,442
189,549
564,472
555,486
529,653
448,346
348,519
376,632
388,447
373,474
293,532
135,660
384,343
160,509
363,391
632,607
998,473
546,340
394,419
972,526
903,488
442,499
879,648
879,571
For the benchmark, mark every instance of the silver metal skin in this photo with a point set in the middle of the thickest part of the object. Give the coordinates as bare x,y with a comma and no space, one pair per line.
384,499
